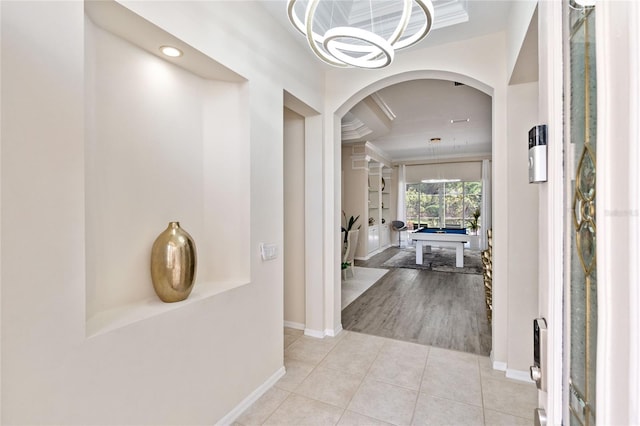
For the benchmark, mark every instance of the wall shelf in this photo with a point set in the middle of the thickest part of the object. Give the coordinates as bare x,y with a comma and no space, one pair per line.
378,233
115,318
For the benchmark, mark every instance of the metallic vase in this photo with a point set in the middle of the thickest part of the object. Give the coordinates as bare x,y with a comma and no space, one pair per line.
173,264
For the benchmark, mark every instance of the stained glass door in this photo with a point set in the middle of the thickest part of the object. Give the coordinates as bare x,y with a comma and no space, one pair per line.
581,300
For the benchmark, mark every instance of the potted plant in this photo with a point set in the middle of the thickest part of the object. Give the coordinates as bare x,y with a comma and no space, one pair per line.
347,258
474,224
349,224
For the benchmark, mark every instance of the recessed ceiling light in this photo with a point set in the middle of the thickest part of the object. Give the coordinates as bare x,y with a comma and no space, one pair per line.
171,51
459,120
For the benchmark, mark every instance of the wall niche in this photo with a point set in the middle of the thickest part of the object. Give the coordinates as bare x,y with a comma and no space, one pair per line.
166,140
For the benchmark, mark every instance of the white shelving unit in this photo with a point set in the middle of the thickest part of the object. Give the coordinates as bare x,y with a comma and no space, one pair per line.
378,207
367,193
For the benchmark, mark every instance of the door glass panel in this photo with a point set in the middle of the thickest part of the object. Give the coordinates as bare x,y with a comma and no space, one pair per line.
581,305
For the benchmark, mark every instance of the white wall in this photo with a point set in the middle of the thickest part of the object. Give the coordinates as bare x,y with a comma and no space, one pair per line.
523,230
520,16
194,363
294,220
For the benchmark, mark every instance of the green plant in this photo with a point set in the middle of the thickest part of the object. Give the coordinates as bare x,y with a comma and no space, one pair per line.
345,265
474,224
349,224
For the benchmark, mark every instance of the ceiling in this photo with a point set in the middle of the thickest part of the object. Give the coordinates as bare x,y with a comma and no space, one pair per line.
423,119
402,119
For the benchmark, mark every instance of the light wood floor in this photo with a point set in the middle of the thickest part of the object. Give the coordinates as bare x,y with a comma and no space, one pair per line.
440,309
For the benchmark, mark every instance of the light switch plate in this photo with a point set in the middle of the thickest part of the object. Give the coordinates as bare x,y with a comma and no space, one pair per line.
268,251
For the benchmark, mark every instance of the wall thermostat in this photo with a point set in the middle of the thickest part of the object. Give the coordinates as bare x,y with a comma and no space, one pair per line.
538,154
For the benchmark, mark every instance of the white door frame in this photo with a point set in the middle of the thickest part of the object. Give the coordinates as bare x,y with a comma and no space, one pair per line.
617,209
551,202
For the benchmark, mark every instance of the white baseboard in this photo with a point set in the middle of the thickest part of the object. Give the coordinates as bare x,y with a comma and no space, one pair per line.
501,366
333,333
373,253
318,334
294,325
253,397
520,375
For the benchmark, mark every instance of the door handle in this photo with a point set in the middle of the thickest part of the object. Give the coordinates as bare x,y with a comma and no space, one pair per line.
537,370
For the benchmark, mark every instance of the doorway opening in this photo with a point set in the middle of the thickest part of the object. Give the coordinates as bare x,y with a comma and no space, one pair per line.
413,151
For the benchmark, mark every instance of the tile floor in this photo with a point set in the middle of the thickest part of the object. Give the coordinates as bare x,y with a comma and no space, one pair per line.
357,379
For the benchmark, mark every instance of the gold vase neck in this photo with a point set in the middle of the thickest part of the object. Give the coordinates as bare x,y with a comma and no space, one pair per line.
174,224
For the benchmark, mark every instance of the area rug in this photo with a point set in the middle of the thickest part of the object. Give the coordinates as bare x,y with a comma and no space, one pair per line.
362,279
440,259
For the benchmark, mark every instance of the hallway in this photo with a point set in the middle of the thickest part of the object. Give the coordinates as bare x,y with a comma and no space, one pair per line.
360,379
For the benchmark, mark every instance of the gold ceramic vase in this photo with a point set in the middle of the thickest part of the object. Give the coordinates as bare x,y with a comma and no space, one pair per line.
173,264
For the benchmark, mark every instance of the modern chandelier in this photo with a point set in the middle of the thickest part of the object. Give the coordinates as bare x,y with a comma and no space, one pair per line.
361,34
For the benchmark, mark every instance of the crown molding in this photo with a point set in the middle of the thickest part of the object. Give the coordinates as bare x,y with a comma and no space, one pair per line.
354,128
383,106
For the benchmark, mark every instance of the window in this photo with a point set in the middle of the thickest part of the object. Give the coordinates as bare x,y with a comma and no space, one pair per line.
442,204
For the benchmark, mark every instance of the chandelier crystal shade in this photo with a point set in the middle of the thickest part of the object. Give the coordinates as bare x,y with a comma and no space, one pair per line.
357,33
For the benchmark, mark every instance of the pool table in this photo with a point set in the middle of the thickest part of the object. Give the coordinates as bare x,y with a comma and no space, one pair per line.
440,237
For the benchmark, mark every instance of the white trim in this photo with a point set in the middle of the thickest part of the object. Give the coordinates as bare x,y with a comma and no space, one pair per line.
383,106
331,302
333,333
522,376
377,154
499,365
374,252
1,399
451,13
360,162
551,201
634,249
253,397
313,215
617,206
354,129
606,338
294,325
318,334
485,211
426,159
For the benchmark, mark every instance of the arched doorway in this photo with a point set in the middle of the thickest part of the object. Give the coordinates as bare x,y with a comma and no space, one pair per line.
396,121
351,92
